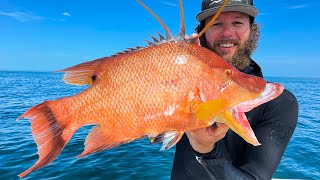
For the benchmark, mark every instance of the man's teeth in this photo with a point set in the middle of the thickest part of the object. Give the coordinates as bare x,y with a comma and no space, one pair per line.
226,45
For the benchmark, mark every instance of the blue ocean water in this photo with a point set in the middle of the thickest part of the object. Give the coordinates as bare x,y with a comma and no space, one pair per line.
137,160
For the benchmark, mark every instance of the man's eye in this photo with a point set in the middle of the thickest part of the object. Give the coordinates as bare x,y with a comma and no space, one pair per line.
238,23
217,24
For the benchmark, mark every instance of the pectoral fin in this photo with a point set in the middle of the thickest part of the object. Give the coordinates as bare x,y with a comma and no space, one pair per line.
169,139
208,110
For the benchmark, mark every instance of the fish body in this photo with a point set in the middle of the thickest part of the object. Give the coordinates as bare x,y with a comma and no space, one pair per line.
160,92
146,92
152,90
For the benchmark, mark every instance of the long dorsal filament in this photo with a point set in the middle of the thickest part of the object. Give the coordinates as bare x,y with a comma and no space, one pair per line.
212,20
166,29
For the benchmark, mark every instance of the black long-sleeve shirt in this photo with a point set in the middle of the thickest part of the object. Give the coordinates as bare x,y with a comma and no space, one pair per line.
233,158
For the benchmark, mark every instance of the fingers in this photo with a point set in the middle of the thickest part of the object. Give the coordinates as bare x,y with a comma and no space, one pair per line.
203,140
219,130
193,36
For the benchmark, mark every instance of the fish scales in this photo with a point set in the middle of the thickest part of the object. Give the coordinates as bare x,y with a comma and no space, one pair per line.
138,89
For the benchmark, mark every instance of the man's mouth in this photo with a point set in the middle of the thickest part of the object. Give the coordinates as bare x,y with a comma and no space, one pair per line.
229,45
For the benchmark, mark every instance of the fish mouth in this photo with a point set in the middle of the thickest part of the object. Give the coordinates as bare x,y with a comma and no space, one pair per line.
271,91
236,119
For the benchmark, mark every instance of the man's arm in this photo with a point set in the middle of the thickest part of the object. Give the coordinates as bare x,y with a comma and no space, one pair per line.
274,130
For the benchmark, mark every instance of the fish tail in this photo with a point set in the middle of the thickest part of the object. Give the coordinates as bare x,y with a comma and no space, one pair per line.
51,132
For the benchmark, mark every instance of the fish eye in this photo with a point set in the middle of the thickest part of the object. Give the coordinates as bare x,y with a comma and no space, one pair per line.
229,72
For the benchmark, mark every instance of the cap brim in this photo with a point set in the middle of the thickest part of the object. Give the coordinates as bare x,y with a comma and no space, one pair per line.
250,10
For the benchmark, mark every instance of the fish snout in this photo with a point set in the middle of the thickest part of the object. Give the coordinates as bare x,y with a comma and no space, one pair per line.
253,84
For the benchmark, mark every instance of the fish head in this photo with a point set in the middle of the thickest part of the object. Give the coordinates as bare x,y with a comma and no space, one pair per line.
236,87
241,91
227,82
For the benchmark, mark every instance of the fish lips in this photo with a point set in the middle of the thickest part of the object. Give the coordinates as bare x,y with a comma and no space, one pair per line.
272,91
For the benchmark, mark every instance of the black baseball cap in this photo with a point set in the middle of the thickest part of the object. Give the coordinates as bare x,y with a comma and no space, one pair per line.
211,7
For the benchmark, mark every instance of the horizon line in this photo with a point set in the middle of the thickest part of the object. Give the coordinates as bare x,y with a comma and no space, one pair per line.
54,71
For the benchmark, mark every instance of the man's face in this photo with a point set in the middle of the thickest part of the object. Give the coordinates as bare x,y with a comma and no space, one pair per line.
228,36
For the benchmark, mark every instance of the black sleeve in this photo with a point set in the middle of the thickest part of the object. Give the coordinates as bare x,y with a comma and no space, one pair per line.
273,128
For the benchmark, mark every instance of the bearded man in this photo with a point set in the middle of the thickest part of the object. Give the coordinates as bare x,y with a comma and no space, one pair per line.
215,152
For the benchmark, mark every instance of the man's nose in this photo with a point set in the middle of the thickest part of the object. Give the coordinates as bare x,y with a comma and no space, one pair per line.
227,31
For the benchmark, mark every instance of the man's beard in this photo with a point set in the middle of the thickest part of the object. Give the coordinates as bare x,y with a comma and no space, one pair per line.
242,57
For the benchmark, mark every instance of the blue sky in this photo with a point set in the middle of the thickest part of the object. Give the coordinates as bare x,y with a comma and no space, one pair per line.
50,35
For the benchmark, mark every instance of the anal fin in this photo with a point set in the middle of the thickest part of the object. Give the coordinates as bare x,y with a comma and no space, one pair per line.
101,138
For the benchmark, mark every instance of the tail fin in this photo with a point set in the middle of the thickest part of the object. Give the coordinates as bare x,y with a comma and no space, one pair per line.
50,133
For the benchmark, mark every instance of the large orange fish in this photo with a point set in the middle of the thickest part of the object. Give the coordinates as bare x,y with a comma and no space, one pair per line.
159,91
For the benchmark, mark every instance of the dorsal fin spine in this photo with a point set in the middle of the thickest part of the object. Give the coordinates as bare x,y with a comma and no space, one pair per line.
150,43
161,37
154,39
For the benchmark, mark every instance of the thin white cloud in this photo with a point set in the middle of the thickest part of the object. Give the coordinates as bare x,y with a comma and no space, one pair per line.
264,14
22,16
299,6
168,3
66,14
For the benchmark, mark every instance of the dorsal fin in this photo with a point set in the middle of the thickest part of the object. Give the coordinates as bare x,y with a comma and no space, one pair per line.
129,50
168,33
150,43
154,39
82,74
161,37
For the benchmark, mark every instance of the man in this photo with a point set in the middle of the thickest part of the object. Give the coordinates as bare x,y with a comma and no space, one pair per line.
215,152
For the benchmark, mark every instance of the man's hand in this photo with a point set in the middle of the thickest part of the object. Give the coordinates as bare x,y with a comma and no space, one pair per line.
203,140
